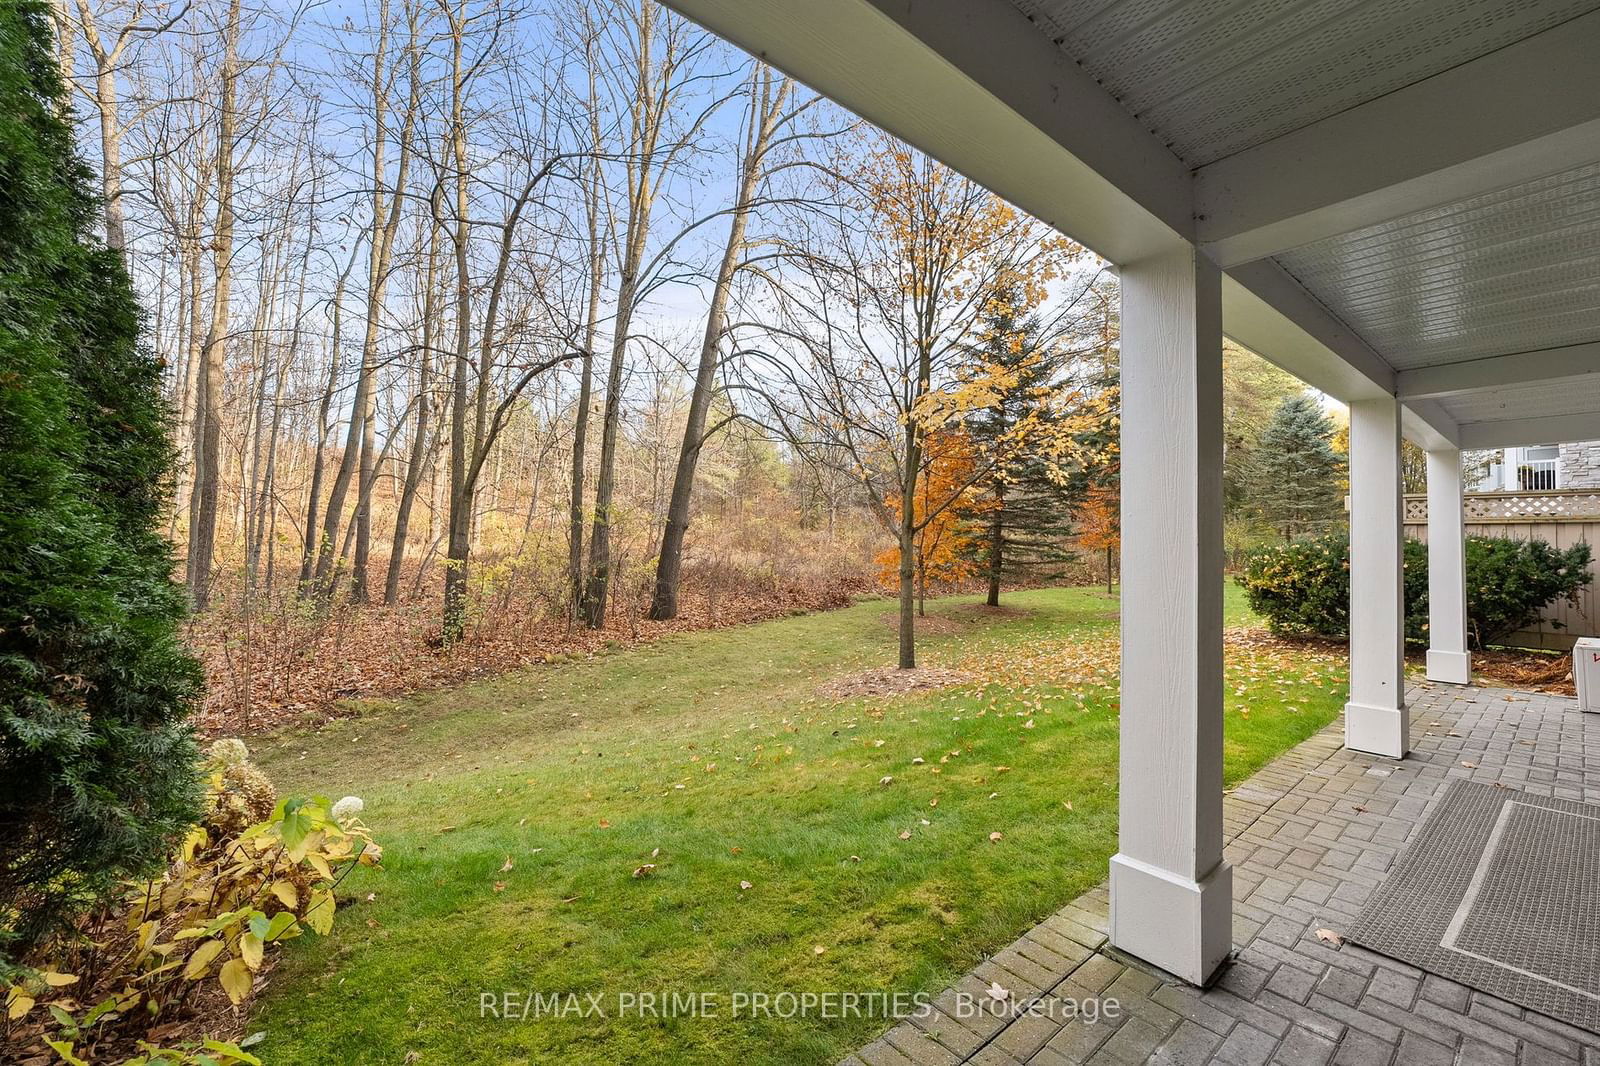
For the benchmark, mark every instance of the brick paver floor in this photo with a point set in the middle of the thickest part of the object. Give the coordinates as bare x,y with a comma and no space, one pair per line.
1309,836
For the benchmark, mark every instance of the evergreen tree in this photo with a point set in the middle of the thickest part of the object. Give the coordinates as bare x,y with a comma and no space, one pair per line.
1024,511
1295,473
97,763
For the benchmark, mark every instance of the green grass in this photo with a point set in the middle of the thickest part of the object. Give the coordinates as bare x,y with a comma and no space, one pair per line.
716,749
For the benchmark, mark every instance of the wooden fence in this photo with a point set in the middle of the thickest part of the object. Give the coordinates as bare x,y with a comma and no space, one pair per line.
1561,518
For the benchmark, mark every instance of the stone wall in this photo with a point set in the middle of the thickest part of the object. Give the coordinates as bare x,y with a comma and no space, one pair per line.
1580,465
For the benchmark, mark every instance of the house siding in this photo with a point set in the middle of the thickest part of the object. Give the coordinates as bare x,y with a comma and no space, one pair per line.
1580,465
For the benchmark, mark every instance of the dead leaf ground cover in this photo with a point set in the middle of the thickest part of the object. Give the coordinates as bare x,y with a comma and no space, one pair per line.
790,842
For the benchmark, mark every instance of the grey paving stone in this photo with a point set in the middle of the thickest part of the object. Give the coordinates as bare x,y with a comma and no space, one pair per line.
1189,1045
1302,1047
1245,1045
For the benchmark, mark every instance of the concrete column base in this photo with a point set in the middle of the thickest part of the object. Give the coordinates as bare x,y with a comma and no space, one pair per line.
1377,730
1185,927
1451,667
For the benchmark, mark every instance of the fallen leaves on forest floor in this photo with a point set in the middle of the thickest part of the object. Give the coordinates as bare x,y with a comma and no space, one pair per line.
295,664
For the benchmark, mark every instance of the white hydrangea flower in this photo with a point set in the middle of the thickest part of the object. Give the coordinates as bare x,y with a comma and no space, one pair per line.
230,752
347,808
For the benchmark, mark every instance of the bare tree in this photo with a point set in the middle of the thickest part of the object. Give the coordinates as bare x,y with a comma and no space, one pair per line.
767,112
654,71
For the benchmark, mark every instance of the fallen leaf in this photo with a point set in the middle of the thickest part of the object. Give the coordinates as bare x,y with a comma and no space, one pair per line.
604,824
1067,804
506,866
817,949
499,886
886,779
646,870
1469,765
995,838
998,992
745,885
905,834
1328,936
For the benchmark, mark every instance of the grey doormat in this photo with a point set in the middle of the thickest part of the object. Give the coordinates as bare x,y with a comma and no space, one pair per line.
1500,891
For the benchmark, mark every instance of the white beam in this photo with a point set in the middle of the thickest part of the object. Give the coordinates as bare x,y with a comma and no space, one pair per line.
977,86
1429,425
1519,432
1448,658
1522,112
1376,719
1171,891
1269,312
1500,371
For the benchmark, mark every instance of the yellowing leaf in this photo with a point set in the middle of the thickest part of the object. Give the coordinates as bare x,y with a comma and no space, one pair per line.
200,961
250,950
286,894
235,980
319,912
19,1005
59,980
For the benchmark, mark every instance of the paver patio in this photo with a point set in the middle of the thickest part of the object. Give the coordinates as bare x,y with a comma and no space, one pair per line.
1310,836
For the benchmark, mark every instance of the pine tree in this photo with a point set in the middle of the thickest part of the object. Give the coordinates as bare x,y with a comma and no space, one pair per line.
1295,472
97,763
1025,509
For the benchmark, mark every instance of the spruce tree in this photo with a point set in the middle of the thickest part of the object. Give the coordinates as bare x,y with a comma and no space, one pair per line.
97,763
1024,512
1295,472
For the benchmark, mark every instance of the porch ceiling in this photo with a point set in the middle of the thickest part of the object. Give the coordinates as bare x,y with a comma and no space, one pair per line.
1404,194
1219,76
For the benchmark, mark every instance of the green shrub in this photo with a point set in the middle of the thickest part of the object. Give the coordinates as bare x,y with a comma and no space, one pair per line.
1304,586
96,759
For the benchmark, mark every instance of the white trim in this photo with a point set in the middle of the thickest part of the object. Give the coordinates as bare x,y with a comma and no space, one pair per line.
1520,432
1499,371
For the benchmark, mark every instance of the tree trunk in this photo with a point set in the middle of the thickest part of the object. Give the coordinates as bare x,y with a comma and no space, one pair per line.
996,550
309,549
908,619
208,406
419,442
580,421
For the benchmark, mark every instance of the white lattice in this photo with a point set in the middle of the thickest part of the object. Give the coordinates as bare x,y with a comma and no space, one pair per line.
1572,506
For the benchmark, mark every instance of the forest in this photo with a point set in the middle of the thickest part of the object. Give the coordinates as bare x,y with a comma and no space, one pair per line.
488,324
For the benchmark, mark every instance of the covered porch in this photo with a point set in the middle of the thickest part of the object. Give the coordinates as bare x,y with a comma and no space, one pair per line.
1400,204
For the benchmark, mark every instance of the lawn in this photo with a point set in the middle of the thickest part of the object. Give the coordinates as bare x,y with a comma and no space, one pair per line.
516,812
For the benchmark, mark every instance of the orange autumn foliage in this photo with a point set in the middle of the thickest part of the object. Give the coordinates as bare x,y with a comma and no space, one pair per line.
946,497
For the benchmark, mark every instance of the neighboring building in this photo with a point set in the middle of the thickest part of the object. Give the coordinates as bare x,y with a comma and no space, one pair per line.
1542,468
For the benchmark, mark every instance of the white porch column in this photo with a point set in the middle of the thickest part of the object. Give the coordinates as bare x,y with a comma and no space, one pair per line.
1171,893
1448,659
1376,719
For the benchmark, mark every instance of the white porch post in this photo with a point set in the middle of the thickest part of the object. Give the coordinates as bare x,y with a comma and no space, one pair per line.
1376,719
1448,659
1171,893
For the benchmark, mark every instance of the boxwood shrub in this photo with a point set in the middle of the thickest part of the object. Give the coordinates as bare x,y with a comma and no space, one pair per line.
1304,586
